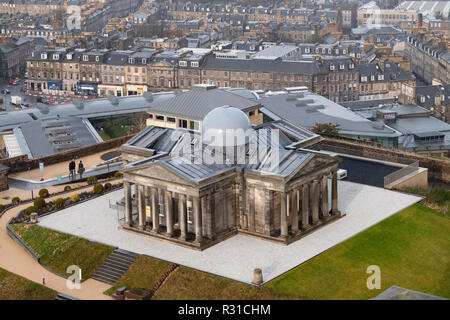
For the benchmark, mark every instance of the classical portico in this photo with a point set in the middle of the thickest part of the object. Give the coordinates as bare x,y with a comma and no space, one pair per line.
198,204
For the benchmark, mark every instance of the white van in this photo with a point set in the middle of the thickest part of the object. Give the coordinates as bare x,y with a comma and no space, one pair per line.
341,174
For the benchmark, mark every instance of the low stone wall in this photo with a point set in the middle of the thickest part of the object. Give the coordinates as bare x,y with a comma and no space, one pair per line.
22,163
20,242
438,169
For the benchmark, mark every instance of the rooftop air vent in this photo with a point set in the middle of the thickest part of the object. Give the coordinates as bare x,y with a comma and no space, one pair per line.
42,108
148,96
113,99
378,125
79,104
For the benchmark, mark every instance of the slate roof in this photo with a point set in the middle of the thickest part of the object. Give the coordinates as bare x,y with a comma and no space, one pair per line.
308,109
297,67
196,103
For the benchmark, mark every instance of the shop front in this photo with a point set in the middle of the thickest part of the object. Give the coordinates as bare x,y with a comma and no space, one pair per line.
87,89
106,90
133,90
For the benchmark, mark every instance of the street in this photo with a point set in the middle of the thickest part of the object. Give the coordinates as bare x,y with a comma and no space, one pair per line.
15,90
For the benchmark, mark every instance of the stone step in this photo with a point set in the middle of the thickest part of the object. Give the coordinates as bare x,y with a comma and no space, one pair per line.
124,259
111,270
108,275
120,260
115,266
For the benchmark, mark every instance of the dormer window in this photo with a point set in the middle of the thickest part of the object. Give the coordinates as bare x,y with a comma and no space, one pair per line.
381,77
130,60
44,55
97,58
194,64
332,67
351,66
344,51
307,50
85,57
182,64
69,56
341,66
372,78
56,56
144,61
364,79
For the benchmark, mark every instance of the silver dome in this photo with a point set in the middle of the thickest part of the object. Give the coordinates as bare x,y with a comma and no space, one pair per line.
225,126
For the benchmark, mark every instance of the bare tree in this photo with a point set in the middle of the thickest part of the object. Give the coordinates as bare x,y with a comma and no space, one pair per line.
140,121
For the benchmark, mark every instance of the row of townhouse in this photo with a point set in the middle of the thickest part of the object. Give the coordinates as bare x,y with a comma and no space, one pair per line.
123,73
429,63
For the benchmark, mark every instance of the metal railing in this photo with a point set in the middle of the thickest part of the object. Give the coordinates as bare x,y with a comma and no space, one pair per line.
399,174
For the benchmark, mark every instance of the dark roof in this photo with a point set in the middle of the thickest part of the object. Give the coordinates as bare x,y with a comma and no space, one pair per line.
196,103
298,67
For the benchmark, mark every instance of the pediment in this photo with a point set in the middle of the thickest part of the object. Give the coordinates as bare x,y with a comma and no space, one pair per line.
158,171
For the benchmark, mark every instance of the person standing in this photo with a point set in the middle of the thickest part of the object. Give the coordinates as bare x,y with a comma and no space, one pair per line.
81,169
72,166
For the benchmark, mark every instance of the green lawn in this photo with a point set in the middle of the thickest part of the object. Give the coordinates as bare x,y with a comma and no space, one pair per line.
14,287
143,273
412,249
59,250
191,284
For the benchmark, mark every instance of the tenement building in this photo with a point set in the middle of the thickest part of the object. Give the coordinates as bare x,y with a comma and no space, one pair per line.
198,188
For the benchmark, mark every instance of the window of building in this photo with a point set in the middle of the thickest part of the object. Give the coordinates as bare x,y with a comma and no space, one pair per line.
160,118
170,119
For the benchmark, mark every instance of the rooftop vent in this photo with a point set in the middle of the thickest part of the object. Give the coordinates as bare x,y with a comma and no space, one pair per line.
78,103
148,96
378,125
42,108
113,99
314,107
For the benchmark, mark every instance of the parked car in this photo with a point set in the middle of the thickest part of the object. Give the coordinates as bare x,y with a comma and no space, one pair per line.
42,100
16,100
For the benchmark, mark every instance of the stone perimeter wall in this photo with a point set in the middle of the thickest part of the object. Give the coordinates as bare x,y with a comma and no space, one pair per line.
22,163
438,169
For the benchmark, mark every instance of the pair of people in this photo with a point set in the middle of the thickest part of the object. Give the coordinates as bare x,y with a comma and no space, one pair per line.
72,167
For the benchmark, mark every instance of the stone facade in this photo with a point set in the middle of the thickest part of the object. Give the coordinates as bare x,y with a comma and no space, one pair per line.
160,203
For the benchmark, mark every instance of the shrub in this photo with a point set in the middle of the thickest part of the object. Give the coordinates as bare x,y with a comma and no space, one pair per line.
39,203
92,180
67,188
108,186
29,210
98,188
59,203
118,174
43,193
75,197
15,200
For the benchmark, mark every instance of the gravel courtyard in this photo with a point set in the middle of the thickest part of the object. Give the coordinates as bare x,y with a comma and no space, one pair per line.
236,257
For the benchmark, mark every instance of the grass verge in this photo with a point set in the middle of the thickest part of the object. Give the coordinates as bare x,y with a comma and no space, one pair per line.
14,287
59,250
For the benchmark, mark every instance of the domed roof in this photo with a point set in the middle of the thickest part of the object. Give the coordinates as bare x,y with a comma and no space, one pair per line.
223,121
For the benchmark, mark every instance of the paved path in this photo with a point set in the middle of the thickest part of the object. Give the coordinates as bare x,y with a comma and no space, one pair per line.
14,259
236,257
23,184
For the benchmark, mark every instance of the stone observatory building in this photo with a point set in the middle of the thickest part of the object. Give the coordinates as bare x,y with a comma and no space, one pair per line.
197,188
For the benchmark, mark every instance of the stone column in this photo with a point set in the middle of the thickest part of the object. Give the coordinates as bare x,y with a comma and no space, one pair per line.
294,220
305,206
141,206
204,215
168,213
155,213
334,193
182,216
283,214
197,219
315,201
324,191
128,204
